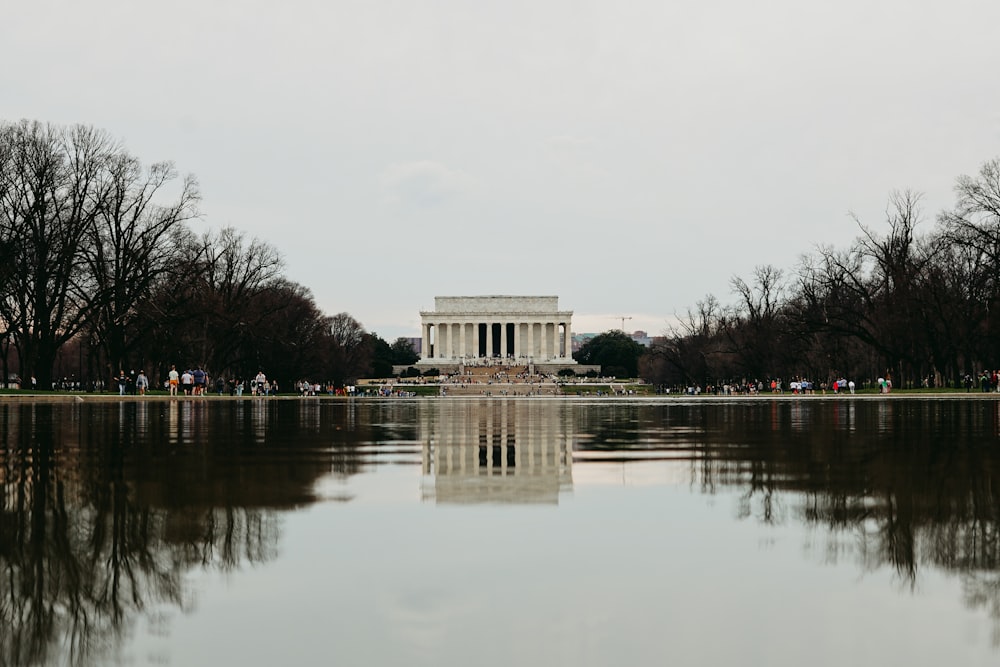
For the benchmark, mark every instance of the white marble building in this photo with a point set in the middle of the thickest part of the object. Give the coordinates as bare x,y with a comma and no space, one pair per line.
478,329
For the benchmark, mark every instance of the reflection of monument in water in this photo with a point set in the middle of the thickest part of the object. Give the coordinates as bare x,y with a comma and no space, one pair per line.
496,451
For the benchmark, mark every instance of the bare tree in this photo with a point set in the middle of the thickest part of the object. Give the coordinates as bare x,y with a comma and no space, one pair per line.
689,352
296,332
50,197
130,245
899,263
350,349
971,234
754,331
230,272
872,291
975,220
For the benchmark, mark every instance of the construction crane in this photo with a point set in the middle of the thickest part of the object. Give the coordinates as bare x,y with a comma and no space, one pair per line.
623,318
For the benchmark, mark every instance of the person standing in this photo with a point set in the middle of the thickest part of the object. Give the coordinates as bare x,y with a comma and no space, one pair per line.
122,383
141,383
173,378
200,378
187,382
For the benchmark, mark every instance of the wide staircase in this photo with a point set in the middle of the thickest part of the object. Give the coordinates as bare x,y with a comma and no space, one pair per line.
498,381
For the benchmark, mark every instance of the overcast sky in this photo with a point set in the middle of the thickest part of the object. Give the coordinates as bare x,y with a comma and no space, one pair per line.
629,157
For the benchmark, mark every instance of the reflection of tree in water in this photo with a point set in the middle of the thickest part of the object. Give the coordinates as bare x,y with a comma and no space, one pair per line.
104,513
981,590
898,483
75,568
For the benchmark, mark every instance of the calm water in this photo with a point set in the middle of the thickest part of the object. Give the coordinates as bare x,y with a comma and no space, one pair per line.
501,532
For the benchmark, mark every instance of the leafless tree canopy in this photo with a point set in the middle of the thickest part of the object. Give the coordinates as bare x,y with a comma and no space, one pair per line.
98,262
914,304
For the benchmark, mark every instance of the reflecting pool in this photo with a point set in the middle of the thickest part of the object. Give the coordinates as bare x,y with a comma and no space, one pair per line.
500,531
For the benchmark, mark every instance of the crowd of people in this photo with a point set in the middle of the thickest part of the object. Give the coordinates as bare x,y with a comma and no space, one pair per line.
797,385
988,381
196,381
193,382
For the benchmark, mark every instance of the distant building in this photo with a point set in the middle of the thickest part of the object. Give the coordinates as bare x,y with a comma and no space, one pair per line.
579,340
642,338
416,343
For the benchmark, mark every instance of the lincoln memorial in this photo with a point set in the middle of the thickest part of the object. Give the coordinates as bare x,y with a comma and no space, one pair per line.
464,330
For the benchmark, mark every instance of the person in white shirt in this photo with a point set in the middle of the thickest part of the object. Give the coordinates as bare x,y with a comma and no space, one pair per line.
173,377
141,383
187,382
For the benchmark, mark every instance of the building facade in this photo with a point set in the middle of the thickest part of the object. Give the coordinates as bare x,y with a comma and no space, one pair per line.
467,329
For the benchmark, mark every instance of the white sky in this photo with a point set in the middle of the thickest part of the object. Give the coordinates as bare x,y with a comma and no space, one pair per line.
629,157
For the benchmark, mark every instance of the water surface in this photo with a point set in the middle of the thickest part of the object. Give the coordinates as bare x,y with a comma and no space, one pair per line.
500,531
